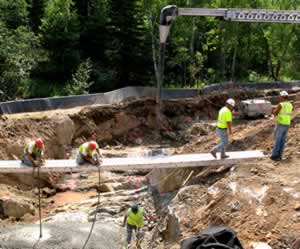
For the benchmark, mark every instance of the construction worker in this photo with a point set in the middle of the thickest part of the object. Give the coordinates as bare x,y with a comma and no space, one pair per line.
34,153
135,219
89,153
283,112
224,128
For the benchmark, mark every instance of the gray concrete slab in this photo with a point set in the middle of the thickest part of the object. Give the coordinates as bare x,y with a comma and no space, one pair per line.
136,163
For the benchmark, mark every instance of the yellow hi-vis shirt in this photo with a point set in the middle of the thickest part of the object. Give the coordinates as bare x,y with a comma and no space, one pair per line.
224,116
135,219
284,116
85,151
31,149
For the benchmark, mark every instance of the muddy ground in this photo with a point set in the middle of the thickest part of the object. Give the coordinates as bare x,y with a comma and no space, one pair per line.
260,200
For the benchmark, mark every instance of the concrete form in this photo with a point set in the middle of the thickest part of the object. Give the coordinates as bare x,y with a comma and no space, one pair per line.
136,163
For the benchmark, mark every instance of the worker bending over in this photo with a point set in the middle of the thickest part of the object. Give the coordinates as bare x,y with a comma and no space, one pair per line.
283,113
89,153
34,153
135,219
224,128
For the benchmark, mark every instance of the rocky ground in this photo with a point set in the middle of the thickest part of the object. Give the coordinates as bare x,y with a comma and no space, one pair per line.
260,200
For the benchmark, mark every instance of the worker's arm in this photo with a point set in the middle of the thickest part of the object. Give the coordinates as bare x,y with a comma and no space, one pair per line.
88,159
276,110
124,221
236,113
229,128
30,156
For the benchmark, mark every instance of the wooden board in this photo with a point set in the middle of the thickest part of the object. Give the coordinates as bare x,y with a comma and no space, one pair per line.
136,163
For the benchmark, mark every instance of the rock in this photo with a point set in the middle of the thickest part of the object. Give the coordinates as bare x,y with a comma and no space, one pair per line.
15,207
197,130
254,171
171,233
105,187
170,135
124,123
138,141
259,245
235,206
48,192
297,206
167,180
64,130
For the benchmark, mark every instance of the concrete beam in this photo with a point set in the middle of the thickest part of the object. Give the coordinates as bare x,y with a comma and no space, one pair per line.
136,163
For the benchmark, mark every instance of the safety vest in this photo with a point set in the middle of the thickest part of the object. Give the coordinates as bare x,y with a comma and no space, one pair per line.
135,219
85,148
35,151
284,116
224,116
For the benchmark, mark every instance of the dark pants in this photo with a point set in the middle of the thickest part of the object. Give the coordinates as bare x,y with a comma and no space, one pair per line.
130,229
27,161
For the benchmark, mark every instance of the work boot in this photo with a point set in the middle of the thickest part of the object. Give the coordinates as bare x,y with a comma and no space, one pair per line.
223,155
214,153
275,158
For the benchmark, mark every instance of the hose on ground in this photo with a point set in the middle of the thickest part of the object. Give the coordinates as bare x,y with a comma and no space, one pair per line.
95,215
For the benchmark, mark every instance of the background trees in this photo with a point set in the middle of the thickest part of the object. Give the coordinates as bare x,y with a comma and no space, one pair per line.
61,47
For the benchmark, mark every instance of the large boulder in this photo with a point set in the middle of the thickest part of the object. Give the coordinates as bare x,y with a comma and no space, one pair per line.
64,130
167,180
15,207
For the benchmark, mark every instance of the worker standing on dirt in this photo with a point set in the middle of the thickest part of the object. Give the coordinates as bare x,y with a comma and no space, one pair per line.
283,112
34,153
224,128
89,153
135,219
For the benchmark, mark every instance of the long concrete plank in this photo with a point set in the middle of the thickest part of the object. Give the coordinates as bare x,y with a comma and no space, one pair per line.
135,163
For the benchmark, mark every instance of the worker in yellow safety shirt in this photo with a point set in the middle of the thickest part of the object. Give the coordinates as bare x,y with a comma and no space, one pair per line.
34,153
224,128
89,153
135,219
283,113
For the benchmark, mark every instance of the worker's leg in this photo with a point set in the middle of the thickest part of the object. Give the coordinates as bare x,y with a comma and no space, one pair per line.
80,160
277,141
26,160
129,233
224,140
283,141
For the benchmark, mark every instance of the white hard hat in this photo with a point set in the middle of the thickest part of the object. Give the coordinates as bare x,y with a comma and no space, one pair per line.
284,93
231,102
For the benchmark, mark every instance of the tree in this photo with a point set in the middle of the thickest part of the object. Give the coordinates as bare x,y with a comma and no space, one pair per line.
14,13
81,79
128,47
19,54
61,32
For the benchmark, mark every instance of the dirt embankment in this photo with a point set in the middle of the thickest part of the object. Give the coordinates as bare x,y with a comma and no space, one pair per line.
132,123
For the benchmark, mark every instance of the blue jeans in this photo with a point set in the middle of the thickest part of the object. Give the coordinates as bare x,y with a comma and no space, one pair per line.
27,161
280,136
224,140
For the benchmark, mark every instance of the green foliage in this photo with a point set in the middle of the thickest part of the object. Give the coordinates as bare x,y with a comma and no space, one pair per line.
60,29
81,79
13,13
19,55
44,46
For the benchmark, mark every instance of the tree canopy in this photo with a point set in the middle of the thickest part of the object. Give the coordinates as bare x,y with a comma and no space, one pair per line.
62,47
